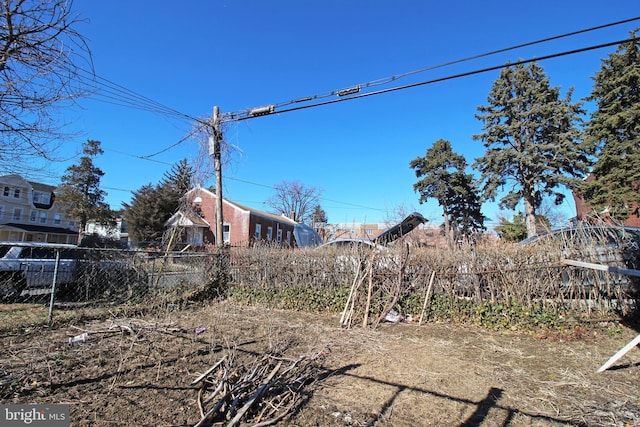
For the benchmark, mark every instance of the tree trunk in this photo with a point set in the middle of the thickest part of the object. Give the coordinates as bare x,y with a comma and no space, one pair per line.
530,216
447,227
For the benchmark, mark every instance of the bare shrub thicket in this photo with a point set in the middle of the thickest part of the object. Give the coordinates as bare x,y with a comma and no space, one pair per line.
460,282
492,283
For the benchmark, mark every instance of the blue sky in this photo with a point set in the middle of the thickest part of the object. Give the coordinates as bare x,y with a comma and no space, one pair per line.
197,54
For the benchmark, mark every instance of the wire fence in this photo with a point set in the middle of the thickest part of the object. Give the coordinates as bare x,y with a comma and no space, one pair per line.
65,275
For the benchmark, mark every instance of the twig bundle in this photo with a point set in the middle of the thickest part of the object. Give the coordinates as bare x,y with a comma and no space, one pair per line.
260,394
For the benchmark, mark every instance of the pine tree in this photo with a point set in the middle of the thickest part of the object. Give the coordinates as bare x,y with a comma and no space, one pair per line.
152,206
512,231
174,185
319,216
444,179
144,219
79,193
532,141
465,206
613,132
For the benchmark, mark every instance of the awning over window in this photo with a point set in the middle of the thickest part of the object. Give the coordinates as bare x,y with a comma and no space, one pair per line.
30,228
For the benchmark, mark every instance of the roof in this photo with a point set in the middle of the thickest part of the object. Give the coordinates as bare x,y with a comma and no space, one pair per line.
45,188
191,219
281,218
38,228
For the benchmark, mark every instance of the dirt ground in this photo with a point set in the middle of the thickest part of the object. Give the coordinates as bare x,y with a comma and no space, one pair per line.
138,370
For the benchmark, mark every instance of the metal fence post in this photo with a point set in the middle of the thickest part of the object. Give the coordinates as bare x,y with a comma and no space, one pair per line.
53,285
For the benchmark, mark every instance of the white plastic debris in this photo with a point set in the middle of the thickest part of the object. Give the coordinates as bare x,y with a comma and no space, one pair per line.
79,339
393,317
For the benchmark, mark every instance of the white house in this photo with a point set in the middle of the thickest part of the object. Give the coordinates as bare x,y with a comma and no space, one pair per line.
28,213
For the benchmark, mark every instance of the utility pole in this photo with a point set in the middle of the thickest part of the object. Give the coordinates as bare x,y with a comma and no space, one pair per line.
214,149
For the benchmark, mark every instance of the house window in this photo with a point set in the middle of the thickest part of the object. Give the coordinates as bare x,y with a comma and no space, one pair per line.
226,233
6,192
57,219
40,197
1,211
368,231
269,233
16,193
17,214
258,233
279,236
33,216
43,217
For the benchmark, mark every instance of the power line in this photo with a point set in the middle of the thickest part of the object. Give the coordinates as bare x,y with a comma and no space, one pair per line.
456,76
111,92
354,92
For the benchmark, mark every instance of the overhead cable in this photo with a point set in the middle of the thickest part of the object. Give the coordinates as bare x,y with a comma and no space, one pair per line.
235,117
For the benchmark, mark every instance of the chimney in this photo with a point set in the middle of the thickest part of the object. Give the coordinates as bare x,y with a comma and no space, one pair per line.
293,215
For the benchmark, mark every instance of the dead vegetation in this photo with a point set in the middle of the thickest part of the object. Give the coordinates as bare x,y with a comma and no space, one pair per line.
163,368
192,356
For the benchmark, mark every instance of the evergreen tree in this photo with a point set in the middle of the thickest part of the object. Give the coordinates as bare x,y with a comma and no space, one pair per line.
144,219
174,185
319,215
531,137
512,231
444,179
152,206
465,215
516,230
79,193
613,132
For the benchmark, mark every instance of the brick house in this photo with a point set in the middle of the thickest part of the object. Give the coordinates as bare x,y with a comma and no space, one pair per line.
242,225
584,211
28,213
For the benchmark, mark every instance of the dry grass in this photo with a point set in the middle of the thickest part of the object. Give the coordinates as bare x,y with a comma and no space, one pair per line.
137,370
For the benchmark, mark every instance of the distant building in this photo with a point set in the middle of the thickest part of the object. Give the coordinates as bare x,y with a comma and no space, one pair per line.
28,213
119,231
584,212
242,225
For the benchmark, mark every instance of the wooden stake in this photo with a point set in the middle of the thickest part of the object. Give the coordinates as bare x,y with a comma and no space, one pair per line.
351,291
619,354
365,321
426,297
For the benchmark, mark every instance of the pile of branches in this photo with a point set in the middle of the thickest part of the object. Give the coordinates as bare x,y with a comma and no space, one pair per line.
261,393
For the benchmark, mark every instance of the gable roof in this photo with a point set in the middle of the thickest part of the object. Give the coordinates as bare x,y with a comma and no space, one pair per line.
281,218
190,219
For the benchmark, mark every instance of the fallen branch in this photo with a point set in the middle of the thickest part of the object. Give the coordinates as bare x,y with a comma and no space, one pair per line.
208,371
255,396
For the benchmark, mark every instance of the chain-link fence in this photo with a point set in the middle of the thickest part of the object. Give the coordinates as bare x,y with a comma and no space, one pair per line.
56,274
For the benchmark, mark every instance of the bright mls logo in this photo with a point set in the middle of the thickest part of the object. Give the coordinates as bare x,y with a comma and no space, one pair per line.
34,415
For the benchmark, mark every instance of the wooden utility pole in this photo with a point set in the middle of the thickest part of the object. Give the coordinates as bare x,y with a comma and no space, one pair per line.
214,149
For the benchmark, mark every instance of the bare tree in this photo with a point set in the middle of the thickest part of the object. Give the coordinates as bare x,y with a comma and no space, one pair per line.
293,198
40,71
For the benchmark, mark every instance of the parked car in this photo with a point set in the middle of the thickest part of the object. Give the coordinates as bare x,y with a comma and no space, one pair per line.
596,243
31,268
609,245
388,236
